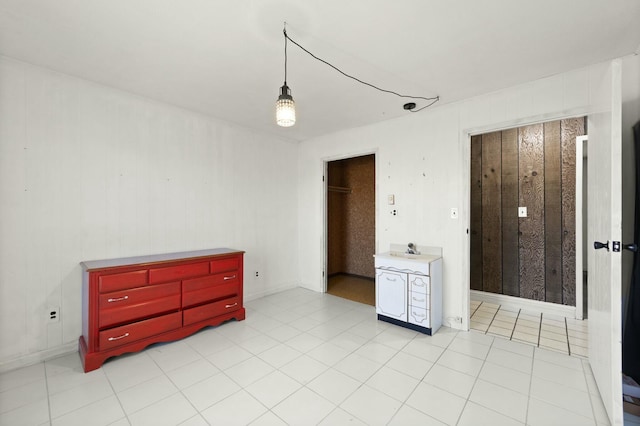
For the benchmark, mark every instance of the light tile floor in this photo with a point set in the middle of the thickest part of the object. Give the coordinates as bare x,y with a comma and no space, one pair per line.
304,358
566,335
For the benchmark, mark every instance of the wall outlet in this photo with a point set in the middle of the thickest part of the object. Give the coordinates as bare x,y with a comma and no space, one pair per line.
53,314
522,212
394,212
257,274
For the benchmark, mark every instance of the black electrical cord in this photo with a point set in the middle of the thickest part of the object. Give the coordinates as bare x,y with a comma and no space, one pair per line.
286,37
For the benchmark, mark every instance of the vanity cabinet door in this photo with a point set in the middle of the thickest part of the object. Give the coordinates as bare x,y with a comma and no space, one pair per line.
391,294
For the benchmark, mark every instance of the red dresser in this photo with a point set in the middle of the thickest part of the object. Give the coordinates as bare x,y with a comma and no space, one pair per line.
130,303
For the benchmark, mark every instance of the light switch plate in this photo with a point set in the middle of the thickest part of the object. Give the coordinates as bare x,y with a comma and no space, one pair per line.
522,212
391,199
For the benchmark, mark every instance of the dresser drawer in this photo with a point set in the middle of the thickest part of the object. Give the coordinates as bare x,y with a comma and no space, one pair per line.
419,284
174,273
225,265
201,313
115,282
138,330
205,289
419,300
419,316
141,302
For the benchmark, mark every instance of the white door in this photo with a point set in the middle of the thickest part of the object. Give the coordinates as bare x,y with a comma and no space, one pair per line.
391,294
605,225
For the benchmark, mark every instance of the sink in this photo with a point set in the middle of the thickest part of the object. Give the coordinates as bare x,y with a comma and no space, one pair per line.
396,259
404,262
405,255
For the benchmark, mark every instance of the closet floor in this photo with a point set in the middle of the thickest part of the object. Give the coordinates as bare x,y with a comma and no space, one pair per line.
556,333
362,290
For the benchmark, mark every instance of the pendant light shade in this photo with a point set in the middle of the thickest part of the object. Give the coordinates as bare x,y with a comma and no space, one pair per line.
285,108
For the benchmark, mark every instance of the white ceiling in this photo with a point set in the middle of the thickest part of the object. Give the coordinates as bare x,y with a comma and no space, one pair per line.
226,58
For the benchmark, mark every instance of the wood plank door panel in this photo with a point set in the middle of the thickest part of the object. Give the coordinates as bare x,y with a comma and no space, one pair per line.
491,212
510,187
476,213
531,167
553,212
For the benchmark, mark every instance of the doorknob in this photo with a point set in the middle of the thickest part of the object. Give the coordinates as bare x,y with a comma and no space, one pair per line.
598,245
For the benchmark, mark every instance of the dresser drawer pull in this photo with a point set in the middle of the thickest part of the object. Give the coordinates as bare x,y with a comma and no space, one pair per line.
117,299
111,339
419,315
418,284
230,278
418,300
231,306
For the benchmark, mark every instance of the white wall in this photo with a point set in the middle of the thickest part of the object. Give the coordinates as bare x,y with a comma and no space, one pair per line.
88,172
423,159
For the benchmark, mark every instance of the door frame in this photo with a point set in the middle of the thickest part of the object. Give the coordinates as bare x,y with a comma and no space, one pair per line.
325,205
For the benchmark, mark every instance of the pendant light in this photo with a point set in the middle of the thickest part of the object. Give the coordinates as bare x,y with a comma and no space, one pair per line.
285,106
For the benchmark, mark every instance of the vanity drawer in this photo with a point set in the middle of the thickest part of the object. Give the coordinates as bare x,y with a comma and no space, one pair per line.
225,265
419,284
174,273
115,282
138,330
142,302
210,310
419,300
419,316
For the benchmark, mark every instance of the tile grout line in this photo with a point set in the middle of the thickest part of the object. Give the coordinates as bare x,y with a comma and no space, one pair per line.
566,330
468,399
513,330
492,319
539,330
46,384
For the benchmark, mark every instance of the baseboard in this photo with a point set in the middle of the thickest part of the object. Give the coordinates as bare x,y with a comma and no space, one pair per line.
526,304
36,357
254,296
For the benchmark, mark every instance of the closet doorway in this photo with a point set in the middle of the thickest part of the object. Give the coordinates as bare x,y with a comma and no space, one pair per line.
350,219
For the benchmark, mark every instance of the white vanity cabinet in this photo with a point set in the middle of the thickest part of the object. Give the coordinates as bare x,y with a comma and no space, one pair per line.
409,290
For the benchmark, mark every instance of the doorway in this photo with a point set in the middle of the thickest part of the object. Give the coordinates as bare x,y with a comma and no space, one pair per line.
351,228
523,212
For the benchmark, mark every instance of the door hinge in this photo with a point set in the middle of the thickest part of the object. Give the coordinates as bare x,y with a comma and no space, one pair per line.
616,246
